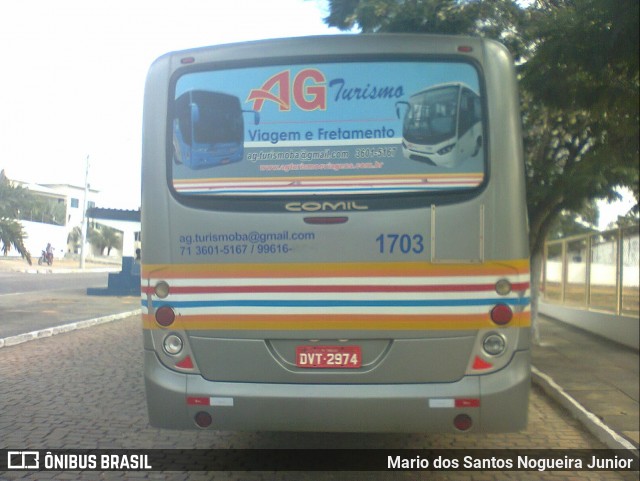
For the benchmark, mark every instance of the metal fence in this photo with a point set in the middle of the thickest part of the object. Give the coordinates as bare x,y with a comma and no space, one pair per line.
595,271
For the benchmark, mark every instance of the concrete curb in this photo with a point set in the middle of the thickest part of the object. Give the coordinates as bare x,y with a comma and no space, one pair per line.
589,420
72,326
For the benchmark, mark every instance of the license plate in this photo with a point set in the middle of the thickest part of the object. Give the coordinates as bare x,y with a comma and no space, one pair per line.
329,357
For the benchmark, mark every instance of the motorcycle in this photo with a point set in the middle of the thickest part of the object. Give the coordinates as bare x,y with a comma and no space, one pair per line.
46,258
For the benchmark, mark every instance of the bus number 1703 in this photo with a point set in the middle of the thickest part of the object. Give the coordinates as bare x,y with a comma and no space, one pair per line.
402,243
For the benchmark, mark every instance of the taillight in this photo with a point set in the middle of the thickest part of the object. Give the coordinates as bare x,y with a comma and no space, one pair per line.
165,316
501,314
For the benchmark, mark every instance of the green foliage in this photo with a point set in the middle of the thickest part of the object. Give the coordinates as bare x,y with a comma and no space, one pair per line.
578,67
104,237
43,209
11,231
75,237
500,19
586,55
580,106
567,224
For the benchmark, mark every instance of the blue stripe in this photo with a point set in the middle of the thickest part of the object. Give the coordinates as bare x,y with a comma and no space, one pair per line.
523,301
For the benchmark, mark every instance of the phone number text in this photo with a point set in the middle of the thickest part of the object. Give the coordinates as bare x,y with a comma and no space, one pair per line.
235,249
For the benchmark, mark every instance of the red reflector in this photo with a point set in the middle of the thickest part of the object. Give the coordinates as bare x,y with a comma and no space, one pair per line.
462,422
203,419
479,363
468,403
186,363
501,314
165,316
197,401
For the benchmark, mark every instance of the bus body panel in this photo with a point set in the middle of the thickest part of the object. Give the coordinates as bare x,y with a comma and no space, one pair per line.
411,288
338,408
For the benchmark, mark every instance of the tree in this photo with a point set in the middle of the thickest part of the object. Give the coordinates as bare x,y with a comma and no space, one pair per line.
45,210
578,66
499,19
580,110
75,238
112,238
105,237
11,232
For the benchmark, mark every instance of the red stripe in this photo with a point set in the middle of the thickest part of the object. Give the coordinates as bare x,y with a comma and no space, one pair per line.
333,289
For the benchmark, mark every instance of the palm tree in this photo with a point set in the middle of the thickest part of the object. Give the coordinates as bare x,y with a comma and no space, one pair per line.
105,237
11,232
112,238
75,238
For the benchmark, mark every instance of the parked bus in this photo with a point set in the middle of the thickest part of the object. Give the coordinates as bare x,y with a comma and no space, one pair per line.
442,125
324,282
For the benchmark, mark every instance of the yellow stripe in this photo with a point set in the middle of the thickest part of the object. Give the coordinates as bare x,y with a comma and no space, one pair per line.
353,269
338,323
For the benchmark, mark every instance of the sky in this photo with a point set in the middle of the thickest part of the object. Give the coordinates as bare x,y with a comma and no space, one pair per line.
74,71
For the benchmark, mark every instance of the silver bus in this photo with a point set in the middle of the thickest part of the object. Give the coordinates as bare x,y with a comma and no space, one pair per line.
323,281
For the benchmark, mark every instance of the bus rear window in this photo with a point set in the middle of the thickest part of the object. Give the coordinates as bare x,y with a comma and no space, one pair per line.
328,128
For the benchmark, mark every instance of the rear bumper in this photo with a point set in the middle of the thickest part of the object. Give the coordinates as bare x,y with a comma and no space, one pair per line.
342,408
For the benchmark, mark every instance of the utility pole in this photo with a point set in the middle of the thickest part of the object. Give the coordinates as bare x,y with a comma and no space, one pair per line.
84,214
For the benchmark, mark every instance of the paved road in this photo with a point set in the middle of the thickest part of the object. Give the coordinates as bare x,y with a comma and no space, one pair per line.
30,302
84,389
18,282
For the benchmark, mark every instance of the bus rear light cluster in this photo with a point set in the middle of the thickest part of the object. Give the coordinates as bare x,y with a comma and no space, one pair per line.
165,316
501,314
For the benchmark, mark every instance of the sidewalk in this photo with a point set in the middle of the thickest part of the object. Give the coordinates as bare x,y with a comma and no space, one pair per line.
596,380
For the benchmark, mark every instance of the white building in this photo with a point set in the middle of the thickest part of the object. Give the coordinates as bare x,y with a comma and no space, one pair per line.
74,199
39,233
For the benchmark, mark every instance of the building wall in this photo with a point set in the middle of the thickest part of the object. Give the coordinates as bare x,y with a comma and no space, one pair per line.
39,235
622,329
